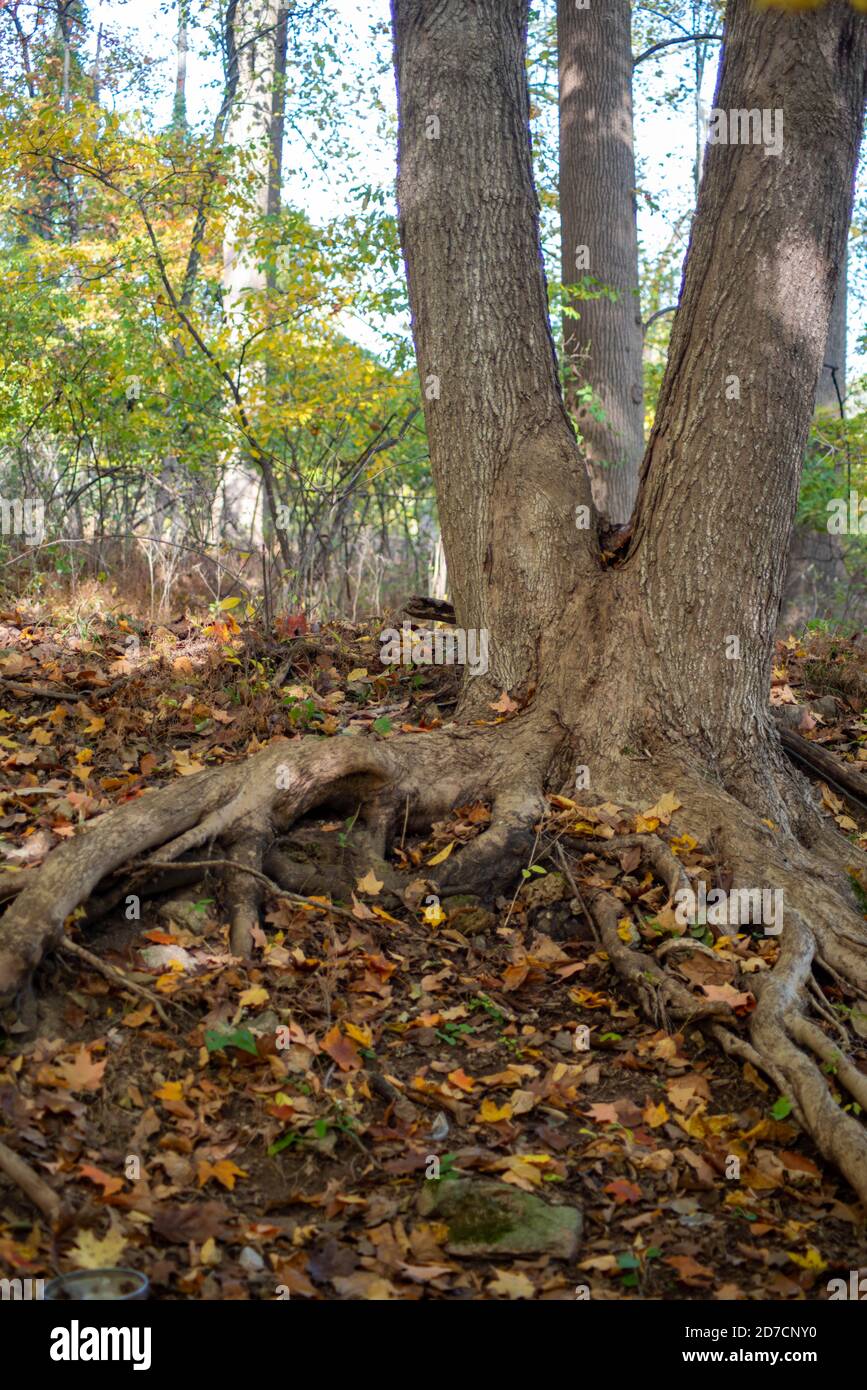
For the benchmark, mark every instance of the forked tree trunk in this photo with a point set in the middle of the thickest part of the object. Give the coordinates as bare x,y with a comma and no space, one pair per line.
604,345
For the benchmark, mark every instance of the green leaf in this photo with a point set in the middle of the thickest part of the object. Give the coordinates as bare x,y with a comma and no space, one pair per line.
382,725
781,1109
239,1037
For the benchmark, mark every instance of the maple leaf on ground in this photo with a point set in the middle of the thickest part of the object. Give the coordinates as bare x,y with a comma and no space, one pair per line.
89,1252
505,705
510,1283
739,1001
225,1172
82,1073
369,884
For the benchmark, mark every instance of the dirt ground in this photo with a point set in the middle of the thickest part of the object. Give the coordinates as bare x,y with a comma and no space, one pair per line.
272,1134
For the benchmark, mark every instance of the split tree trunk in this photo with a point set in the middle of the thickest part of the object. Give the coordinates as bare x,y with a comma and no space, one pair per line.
603,347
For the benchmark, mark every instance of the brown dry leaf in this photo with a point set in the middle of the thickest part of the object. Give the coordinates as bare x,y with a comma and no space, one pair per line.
505,705
341,1050
81,1074
689,1271
737,998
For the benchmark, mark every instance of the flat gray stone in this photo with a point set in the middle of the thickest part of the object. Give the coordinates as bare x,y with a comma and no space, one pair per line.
486,1217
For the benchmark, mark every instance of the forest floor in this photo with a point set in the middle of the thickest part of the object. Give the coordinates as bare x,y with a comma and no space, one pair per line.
449,1040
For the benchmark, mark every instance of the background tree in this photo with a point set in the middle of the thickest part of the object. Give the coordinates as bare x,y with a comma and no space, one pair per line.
602,333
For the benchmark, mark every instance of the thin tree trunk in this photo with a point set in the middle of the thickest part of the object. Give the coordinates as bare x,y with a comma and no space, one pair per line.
179,109
603,346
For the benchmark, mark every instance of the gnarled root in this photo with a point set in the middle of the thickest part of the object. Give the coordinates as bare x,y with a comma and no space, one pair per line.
245,807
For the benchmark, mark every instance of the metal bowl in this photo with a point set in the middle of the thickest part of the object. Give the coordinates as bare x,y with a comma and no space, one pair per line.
120,1285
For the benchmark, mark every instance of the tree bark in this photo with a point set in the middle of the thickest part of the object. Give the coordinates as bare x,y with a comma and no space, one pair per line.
720,479
603,346
255,30
503,453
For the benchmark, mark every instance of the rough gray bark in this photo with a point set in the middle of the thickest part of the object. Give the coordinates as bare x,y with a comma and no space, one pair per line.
603,347
831,392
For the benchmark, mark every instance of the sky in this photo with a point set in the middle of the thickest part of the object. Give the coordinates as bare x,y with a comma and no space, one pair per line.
664,134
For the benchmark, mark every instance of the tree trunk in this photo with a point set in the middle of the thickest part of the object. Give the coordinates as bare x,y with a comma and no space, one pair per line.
603,346
256,35
831,392
504,458
179,108
255,30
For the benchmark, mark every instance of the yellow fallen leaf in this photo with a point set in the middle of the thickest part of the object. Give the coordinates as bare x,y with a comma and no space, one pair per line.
490,1113
664,808
89,1252
443,854
253,997
812,1260
226,1172
170,1090
369,884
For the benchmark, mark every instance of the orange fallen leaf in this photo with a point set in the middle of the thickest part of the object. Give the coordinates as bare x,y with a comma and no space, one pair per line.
341,1050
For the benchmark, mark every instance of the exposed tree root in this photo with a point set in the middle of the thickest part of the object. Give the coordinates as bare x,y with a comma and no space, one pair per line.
235,820
44,1198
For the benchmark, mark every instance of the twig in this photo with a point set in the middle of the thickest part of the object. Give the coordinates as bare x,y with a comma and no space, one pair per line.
263,878
570,877
111,972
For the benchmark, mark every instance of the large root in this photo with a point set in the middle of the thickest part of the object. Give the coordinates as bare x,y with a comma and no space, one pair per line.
236,819
245,807
794,1035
